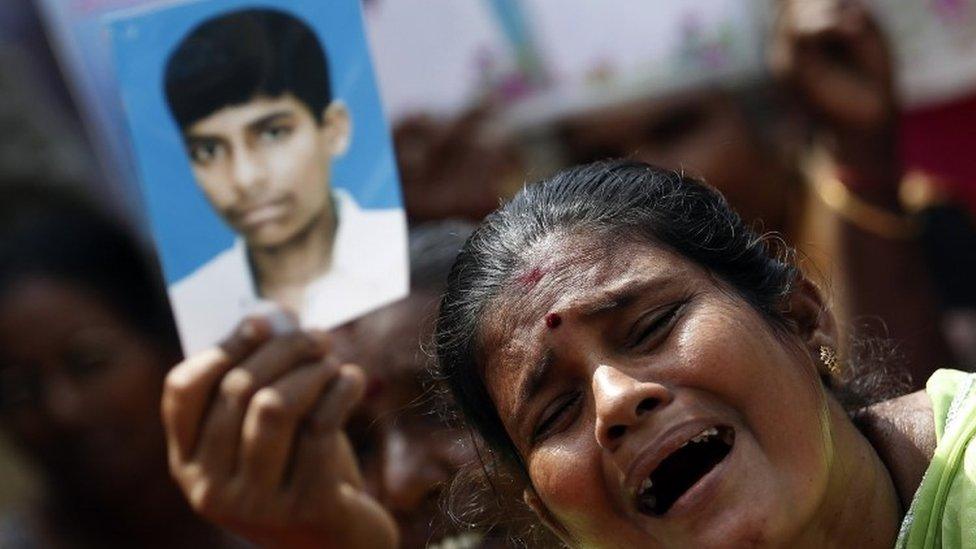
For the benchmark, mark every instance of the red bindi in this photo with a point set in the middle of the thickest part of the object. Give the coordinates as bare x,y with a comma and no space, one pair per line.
553,321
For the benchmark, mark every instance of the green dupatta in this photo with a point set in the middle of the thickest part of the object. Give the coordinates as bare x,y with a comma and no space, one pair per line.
943,511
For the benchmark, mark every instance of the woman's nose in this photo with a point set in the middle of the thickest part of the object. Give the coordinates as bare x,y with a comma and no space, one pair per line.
622,403
412,474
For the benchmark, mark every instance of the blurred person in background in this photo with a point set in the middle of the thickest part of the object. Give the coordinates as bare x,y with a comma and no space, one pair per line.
445,72
43,133
408,454
86,338
934,44
817,163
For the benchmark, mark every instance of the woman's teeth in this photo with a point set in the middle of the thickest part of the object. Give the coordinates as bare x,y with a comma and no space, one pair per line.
680,470
710,432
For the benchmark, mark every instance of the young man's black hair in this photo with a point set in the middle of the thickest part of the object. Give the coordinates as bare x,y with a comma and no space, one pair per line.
231,59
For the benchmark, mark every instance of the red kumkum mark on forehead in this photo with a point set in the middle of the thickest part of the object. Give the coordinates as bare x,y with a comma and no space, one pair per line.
529,279
553,321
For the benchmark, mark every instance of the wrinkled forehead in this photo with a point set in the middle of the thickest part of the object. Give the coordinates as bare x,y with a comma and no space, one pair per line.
563,273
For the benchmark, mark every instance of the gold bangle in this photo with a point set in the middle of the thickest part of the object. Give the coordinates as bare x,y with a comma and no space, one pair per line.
867,217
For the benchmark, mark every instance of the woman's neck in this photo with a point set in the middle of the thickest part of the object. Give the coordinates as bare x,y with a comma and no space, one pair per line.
902,431
862,506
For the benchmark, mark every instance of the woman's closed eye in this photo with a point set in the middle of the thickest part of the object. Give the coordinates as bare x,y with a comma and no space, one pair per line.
557,416
651,328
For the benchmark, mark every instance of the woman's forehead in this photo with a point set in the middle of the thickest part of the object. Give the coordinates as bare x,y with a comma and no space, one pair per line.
574,276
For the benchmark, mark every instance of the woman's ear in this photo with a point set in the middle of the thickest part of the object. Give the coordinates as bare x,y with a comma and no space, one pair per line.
545,516
807,310
336,128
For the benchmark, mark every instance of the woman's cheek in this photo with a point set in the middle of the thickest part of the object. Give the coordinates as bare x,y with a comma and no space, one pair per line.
570,481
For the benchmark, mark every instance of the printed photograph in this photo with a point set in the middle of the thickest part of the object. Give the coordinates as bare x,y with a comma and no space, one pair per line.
265,161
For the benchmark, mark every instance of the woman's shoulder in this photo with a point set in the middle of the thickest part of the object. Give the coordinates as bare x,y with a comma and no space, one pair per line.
902,431
949,391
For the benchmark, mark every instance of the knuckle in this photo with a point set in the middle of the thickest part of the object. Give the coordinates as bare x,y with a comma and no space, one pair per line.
238,386
204,498
271,406
178,382
355,380
251,331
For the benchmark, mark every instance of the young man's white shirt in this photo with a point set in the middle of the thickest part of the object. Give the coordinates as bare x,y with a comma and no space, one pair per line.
369,269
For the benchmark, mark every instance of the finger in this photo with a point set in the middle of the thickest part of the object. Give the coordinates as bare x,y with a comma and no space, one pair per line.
338,400
271,421
341,496
189,385
217,449
323,461
322,452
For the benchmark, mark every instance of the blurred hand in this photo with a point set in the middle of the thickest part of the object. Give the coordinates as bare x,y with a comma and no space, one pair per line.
833,55
254,430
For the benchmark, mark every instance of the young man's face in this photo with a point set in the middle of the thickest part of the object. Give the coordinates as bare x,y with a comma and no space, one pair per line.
265,164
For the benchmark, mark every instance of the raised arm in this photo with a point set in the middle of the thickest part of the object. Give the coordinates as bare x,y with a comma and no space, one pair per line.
835,59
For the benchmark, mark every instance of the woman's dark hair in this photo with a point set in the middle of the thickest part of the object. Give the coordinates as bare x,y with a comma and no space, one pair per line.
50,232
608,201
433,245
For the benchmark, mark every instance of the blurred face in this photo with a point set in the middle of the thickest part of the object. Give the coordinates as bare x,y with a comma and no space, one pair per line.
406,451
79,389
701,132
264,165
652,406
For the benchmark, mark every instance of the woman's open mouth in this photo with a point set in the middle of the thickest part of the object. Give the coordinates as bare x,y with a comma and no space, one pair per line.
683,468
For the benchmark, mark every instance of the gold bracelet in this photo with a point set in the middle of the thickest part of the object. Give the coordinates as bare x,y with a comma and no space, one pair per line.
867,217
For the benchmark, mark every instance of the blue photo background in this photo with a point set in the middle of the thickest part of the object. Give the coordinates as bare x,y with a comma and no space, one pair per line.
187,231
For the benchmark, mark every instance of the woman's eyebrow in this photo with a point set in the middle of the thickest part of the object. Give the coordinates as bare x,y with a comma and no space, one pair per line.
622,296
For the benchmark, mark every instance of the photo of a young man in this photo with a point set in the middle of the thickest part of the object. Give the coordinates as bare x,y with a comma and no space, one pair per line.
251,94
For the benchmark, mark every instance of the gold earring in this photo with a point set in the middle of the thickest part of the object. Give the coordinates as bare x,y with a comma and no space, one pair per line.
829,358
